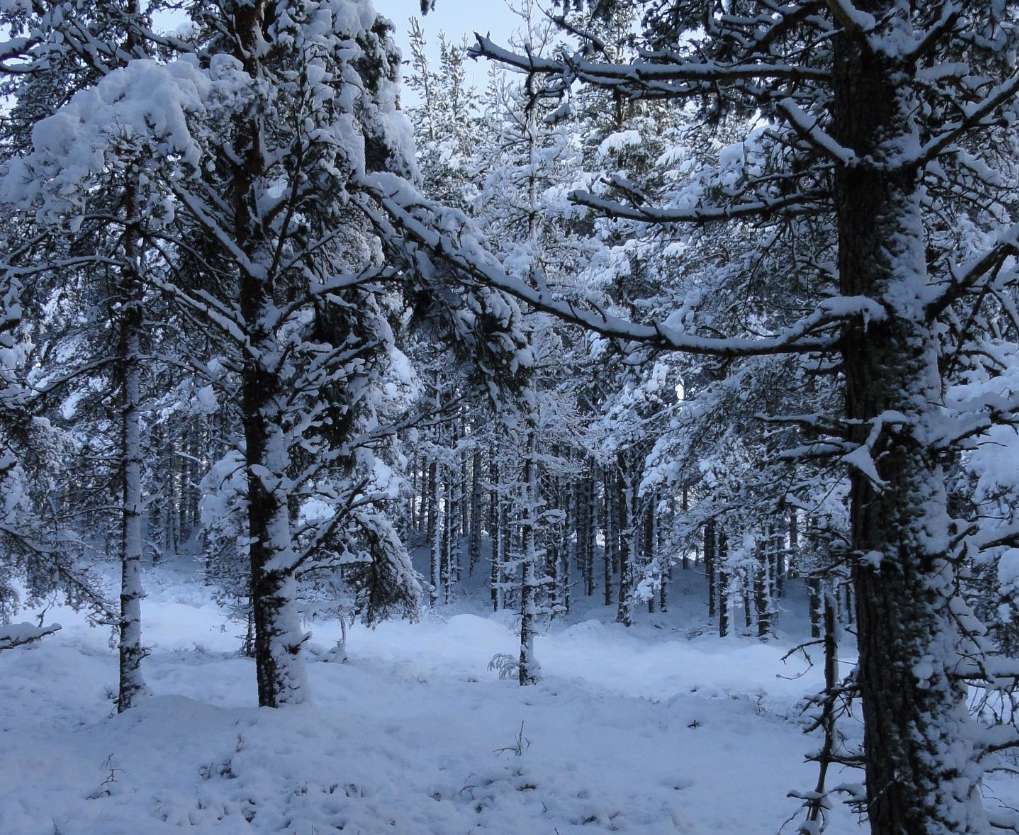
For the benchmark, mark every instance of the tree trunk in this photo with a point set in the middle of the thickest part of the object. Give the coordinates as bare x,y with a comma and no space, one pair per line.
709,564
494,534
920,758
723,585
132,684
435,527
762,588
627,546
528,669
608,535
474,538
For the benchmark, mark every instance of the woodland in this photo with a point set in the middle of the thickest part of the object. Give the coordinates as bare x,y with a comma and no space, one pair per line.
626,442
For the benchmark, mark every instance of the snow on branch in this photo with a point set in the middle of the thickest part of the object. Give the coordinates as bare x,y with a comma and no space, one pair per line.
19,634
808,129
804,203
972,116
467,254
966,275
862,458
644,73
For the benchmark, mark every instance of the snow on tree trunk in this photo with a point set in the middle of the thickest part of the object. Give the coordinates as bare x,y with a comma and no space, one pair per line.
436,522
132,684
762,588
709,564
278,637
722,556
919,749
528,669
475,512
627,547
494,534
608,533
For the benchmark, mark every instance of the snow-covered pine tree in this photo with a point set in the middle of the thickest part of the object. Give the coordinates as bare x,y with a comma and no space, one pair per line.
852,141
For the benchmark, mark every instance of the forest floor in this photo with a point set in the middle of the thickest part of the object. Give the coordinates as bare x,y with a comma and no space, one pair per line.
656,729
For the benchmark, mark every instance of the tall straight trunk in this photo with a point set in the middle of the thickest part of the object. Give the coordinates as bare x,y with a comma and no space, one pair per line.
551,541
465,497
663,592
591,529
648,544
173,499
449,545
506,548
627,546
278,639
684,506
494,529
763,587
436,526
528,668
722,558
709,564
132,684
474,538
414,494
608,534
564,535
919,750
793,561
432,500
745,591
154,522
814,603
784,552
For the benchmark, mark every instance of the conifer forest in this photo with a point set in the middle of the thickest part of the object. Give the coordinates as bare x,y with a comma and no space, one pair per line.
605,422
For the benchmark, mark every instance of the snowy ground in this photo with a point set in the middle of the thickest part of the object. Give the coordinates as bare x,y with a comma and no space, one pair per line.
641,731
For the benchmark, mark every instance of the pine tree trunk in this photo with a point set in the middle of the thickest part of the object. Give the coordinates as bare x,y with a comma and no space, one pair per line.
494,534
814,594
745,589
627,545
414,494
449,516
684,507
709,564
918,745
762,589
432,496
564,536
436,526
591,528
475,514
528,669
608,535
648,544
132,684
723,584
278,638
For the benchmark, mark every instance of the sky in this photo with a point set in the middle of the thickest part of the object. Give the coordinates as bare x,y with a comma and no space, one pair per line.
456,18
